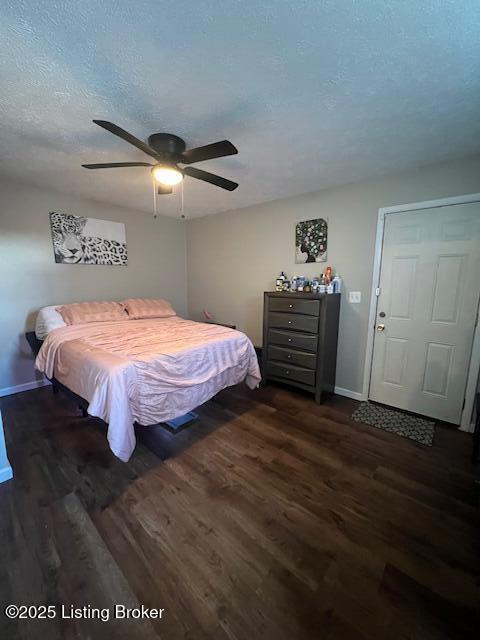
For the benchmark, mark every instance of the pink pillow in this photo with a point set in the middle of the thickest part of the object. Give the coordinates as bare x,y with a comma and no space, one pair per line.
80,312
148,308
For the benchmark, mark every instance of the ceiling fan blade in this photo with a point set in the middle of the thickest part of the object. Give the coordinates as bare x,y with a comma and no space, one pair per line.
121,133
112,165
218,181
163,190
208,152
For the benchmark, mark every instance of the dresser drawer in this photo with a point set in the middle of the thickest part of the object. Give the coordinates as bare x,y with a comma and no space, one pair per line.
293,321
293,305
293,339
291,372
300,358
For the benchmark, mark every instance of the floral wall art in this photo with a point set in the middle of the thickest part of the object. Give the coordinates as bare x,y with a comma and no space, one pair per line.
311,241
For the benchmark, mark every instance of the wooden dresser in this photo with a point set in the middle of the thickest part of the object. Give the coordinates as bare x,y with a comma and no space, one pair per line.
300,332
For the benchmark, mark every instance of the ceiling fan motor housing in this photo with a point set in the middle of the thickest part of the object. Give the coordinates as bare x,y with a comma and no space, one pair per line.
167,144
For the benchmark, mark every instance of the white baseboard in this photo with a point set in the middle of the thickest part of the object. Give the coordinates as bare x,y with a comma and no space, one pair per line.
6,473
355,395
26,386
468,429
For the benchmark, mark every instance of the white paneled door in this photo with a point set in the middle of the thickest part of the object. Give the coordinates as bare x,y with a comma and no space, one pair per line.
427,309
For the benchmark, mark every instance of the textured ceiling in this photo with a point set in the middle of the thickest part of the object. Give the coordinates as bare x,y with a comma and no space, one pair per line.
313,93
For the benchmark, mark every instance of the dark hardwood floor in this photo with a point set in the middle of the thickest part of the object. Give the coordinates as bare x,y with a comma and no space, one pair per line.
271,517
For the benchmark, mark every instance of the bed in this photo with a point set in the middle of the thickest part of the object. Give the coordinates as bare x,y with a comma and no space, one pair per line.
147,370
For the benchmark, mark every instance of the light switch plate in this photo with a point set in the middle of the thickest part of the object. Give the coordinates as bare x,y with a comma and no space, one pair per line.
354,297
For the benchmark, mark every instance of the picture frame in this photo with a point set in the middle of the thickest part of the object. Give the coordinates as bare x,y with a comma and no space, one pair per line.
311,241
82,240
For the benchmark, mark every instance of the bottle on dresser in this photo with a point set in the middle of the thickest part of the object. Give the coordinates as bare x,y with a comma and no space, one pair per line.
337,284
322,286
279,282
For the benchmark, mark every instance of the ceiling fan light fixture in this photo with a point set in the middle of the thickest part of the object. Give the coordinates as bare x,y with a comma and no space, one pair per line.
167,176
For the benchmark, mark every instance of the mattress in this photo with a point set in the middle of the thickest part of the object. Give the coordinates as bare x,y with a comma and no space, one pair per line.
146,371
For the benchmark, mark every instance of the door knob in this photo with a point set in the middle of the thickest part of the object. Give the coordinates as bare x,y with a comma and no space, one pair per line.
380,327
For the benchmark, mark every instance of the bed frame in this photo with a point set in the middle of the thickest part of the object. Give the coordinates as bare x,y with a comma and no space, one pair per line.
35,345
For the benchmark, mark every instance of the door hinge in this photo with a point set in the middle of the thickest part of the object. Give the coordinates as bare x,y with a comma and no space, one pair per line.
377,291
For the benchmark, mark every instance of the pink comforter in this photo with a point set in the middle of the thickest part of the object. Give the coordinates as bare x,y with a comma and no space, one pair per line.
146,371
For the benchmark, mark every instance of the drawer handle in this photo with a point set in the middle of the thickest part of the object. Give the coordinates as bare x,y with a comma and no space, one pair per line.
287,371
289,339
290,322
290,306
289,356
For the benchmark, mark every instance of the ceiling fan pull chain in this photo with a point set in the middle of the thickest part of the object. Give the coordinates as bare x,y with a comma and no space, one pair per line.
154,200
182,210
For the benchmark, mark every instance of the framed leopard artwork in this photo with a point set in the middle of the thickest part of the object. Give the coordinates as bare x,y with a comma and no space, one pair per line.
80,240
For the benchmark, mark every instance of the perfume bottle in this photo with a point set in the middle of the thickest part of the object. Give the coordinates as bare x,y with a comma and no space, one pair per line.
279,282
322,287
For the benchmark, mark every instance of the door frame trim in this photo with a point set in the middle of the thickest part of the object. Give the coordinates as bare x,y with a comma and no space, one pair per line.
474,368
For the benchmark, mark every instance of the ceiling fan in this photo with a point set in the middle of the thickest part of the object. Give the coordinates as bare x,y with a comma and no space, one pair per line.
169,150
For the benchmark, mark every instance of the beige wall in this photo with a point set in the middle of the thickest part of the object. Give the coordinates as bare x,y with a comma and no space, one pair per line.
234,256
30,279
